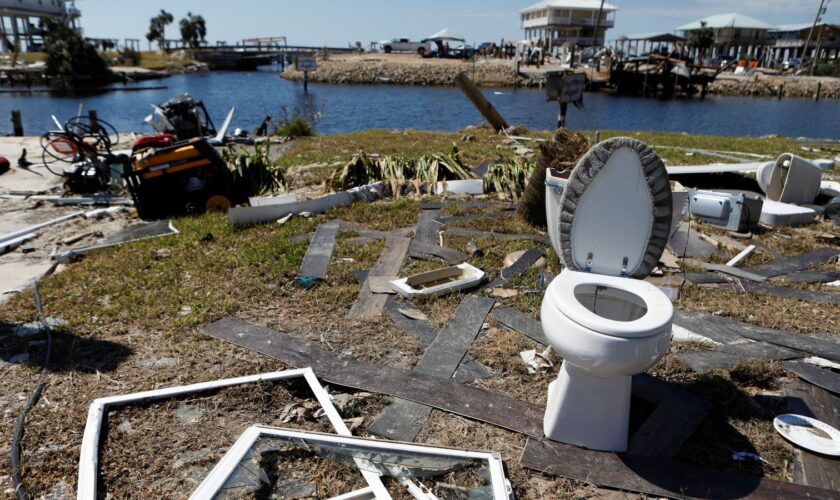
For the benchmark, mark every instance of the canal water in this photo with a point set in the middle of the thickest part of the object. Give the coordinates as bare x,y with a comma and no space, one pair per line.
344,108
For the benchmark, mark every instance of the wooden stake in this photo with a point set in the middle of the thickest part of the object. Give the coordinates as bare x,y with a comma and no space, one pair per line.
17,123
463,82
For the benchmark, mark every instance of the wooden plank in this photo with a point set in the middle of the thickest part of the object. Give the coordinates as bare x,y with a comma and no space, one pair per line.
464,218
713,326
735,271
463,82
428,227
780,267
448,349
670,425
403,421
518,268
705,278
811,401
417,328
809,277
517,321
317,258
478,404
821,377
369,305
656,476
790,293
476,233
421,250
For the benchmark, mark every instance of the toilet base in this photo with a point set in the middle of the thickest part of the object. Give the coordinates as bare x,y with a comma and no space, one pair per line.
587,410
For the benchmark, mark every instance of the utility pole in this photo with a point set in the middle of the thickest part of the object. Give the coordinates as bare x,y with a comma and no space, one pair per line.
813,28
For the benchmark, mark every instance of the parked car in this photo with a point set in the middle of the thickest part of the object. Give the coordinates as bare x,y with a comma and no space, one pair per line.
721,61
487,49
404,45
792,63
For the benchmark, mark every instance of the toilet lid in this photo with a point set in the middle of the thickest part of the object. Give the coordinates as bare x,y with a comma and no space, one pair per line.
616,210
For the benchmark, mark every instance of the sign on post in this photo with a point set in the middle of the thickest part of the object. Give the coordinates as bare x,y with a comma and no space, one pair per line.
565,89
306,62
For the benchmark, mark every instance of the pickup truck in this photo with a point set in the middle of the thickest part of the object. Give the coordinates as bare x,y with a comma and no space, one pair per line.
404,45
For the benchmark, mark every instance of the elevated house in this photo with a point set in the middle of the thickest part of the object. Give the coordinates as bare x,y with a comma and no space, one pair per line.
567,22
735,35
789,42
21,21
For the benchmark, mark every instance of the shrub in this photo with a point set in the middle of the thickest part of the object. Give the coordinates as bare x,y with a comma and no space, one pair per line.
69,55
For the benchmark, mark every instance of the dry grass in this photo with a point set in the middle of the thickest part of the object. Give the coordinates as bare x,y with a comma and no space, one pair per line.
127,307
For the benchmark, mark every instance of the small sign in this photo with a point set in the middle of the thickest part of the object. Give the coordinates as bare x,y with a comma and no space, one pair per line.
306,63
565,88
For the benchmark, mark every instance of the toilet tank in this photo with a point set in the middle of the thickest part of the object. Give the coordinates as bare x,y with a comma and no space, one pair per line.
554,184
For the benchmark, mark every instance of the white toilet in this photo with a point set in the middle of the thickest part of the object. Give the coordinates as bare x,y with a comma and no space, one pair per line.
609,230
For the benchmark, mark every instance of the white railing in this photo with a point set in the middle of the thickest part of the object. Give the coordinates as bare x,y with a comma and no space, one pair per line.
565,21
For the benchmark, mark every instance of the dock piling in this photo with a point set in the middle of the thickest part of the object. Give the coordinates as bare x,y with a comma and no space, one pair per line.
93,117
17,123
818,92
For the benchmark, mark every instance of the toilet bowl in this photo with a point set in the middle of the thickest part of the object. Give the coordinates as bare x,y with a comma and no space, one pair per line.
611,226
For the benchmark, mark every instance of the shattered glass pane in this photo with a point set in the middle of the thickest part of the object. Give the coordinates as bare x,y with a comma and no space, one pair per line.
285,467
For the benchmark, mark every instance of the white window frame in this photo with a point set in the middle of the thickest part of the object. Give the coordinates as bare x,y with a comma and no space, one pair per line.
89,456
217,478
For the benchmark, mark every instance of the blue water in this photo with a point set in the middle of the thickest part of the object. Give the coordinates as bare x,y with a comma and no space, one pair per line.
343,108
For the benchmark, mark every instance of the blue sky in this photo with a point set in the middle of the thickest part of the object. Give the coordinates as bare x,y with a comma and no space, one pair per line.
339,22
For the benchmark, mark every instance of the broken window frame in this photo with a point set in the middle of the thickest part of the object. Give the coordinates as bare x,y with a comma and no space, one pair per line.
89,455
224,469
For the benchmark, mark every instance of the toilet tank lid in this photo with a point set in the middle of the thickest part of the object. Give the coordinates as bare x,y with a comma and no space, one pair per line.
616,210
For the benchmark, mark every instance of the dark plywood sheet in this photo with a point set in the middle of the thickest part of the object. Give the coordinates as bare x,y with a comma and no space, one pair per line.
812,401
655,476
369,305
317,258
518,268
517,321
762,350
477,233
687,243
471,370
787,265
428,227
425,251
403,422
478,404
670,425
810,277
822,377
726,330
703,361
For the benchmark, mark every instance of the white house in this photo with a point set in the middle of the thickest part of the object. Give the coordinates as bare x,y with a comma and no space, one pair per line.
735,34
20,20
572,22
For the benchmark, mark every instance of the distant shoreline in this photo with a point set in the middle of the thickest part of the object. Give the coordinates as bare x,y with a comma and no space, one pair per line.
375,68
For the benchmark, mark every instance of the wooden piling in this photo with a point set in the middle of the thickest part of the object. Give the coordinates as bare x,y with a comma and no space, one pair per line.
93,117
597,136
463,82
818,92
781,91
17,123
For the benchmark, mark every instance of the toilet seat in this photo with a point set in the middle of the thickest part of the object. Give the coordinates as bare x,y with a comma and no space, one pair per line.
659,313
615,211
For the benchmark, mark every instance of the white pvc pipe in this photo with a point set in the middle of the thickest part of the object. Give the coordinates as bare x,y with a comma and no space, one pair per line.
741,256
32,229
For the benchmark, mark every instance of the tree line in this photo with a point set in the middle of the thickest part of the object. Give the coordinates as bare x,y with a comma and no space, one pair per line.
193,29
